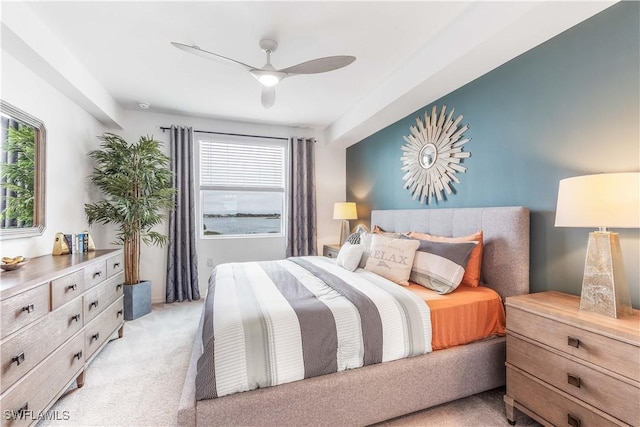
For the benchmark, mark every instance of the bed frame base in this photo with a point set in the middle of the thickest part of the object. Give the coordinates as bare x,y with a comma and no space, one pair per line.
357,397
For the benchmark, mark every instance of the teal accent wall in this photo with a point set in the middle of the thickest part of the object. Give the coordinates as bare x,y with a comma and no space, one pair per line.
565,108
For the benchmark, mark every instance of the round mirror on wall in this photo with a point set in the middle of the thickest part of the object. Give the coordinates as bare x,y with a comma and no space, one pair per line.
432,155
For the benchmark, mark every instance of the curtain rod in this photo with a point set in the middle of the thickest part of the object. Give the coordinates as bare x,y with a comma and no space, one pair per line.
230,134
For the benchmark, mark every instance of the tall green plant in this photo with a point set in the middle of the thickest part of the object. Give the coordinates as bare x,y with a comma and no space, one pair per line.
18,175
136,183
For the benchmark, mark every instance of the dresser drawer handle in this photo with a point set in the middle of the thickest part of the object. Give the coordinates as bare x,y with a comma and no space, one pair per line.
28,308
97,274
93,304
573,380
119,313
72,287
18,359
573,342
76,317
573,421
94,337
118,286
78,355
116,265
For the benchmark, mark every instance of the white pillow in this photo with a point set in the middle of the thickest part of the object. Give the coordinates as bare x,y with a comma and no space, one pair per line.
392,258
349,256
365,242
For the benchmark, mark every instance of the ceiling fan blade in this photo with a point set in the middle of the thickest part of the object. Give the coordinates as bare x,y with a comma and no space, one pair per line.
268,96
210,55
320,65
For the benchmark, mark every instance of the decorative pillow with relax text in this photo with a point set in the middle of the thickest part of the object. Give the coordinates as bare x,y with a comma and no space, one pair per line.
349,256
440,266
472,272
392,258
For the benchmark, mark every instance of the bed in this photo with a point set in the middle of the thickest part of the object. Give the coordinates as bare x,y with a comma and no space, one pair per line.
386,390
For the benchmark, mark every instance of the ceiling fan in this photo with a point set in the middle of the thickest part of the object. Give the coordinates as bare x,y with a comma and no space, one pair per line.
268,76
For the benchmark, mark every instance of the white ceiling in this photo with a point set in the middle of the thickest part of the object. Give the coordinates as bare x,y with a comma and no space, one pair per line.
408,53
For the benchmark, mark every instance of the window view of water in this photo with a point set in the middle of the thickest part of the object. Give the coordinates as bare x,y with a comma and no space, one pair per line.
214,226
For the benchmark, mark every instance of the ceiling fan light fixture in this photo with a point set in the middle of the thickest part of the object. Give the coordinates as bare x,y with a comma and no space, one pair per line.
268,78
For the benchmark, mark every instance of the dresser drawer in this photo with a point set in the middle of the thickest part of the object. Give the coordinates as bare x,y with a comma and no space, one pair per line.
595,348
618,397
115,265
102,327
100,297
95,273
558,408
22,351
34,394
66,288
24,308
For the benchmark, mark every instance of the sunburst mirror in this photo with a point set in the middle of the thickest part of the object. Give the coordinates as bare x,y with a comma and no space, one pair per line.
432,155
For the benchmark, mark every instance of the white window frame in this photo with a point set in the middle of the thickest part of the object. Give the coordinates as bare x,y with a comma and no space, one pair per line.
250,140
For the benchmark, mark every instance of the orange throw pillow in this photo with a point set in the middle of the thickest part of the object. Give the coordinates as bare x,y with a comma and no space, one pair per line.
474,265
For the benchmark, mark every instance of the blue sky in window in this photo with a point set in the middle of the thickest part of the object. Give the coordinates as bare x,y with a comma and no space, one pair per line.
225,202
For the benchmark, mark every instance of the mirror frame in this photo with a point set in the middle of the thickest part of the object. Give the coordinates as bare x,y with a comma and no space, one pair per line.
39,179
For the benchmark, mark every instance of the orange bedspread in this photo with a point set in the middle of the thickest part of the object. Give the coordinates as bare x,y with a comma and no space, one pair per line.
463,316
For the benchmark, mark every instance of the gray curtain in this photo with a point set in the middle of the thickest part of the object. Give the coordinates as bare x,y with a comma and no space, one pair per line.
182,262
301,224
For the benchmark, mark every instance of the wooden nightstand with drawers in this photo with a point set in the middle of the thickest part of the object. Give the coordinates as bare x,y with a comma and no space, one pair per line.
571,367
331,251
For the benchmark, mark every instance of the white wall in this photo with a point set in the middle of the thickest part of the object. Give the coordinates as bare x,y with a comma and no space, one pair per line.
330,178
72,132
71,135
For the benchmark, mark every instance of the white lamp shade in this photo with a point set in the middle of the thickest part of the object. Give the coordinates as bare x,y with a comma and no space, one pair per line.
345,210
602,200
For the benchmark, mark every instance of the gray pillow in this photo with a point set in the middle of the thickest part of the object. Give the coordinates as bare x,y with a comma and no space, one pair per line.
440,266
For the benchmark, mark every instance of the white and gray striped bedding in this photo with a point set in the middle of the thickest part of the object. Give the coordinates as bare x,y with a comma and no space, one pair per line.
270,323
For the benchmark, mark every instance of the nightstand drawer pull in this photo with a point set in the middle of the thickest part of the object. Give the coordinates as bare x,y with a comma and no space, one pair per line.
116,265
72,287
97,274
573,380
28,308
119,313
76,317
573,342
93,304
18,359
573,421
94,337
78,355
118,287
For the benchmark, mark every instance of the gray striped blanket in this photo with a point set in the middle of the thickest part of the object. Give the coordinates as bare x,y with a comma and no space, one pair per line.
270,323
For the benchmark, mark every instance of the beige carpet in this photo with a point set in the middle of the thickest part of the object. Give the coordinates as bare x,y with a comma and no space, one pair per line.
137,381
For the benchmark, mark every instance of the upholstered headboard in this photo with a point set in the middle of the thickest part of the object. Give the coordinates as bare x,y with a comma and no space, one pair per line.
505,261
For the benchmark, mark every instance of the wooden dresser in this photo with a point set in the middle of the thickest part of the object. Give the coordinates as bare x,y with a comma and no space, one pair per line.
571,367
56,312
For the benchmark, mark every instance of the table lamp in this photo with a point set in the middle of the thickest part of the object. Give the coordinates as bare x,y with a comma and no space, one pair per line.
602,200
344,211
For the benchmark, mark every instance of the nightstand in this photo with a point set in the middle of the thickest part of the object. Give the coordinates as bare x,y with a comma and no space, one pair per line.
566,366
331,251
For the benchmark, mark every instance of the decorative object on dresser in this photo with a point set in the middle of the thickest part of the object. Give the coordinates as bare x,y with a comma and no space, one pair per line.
331,251
345,211
568,366
602,200
136,182
57,314
432,155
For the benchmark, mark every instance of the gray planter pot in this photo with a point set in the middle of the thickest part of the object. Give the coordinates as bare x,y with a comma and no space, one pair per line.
137,300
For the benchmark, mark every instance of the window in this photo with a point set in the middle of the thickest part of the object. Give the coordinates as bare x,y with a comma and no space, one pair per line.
242,186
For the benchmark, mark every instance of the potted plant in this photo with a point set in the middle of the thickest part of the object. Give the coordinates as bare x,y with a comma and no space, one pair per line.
136,183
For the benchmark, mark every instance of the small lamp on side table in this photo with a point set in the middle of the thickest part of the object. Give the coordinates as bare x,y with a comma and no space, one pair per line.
344,211
602,200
